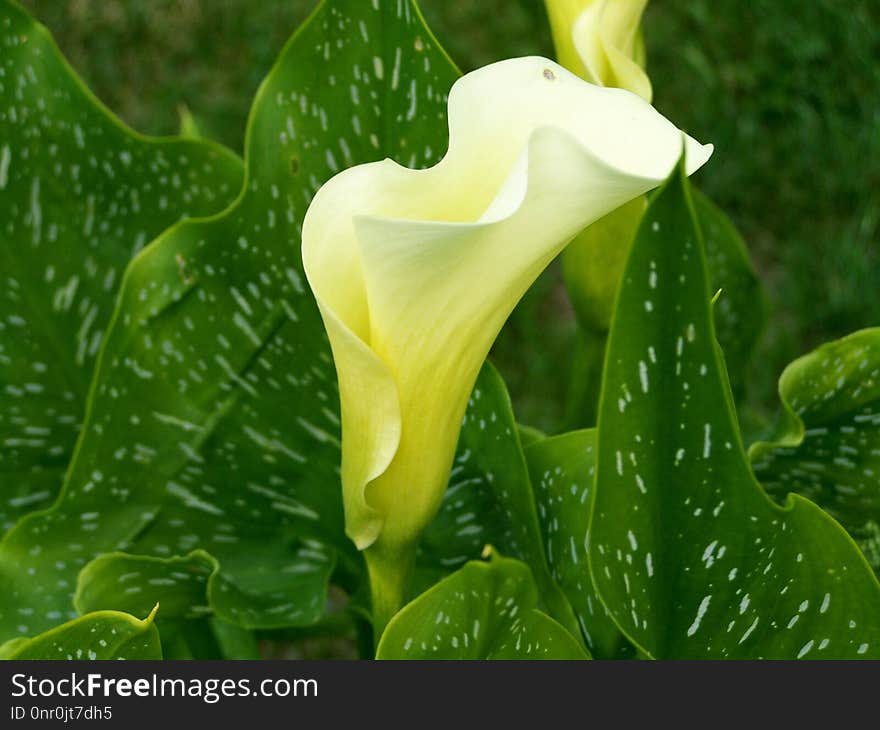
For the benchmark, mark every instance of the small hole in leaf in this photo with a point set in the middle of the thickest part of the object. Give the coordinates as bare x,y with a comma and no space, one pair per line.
294,165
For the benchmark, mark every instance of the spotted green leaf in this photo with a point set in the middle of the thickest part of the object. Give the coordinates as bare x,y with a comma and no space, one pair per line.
80,194
485,610
827,447
688,553
213,420
563,470
180,587
593,266
129,583
740,311
99,635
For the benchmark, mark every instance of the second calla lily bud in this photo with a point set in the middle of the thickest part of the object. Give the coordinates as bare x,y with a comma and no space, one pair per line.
600,41
416,271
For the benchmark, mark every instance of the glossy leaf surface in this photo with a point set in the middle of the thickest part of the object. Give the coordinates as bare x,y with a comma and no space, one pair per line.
690,556
485,610
80,194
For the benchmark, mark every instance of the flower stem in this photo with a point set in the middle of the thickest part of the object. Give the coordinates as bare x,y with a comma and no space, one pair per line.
586,379
390,571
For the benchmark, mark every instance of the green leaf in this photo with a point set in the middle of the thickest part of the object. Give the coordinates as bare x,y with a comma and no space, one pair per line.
189,126
121,582
212,422
593,265
827,447
529,434
80,194
562,470
178,585
233,641
485,610
740,312
489,499
205,639
688,553
99,635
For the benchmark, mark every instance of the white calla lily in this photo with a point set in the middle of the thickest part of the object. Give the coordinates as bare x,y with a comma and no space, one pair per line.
599,40
416,271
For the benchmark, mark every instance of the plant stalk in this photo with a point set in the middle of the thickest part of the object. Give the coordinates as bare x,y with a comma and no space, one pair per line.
586,379
390,572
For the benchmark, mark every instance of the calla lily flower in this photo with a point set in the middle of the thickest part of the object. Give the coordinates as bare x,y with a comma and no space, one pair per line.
599,40
416,271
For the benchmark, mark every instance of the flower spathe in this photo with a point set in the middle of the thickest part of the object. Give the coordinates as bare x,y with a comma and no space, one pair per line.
599,40
415,271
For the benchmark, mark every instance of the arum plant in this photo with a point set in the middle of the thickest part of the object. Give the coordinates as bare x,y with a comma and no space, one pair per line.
415,272
184,501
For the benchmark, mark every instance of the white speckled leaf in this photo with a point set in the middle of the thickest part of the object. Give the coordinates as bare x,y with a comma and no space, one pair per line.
80,194
485,610
180,586
593,265
563,470
99,635
132,583
689,555
213,421
828,444
489,499
740,312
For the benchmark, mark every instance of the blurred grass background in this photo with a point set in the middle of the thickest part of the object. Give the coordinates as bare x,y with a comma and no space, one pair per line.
787,90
